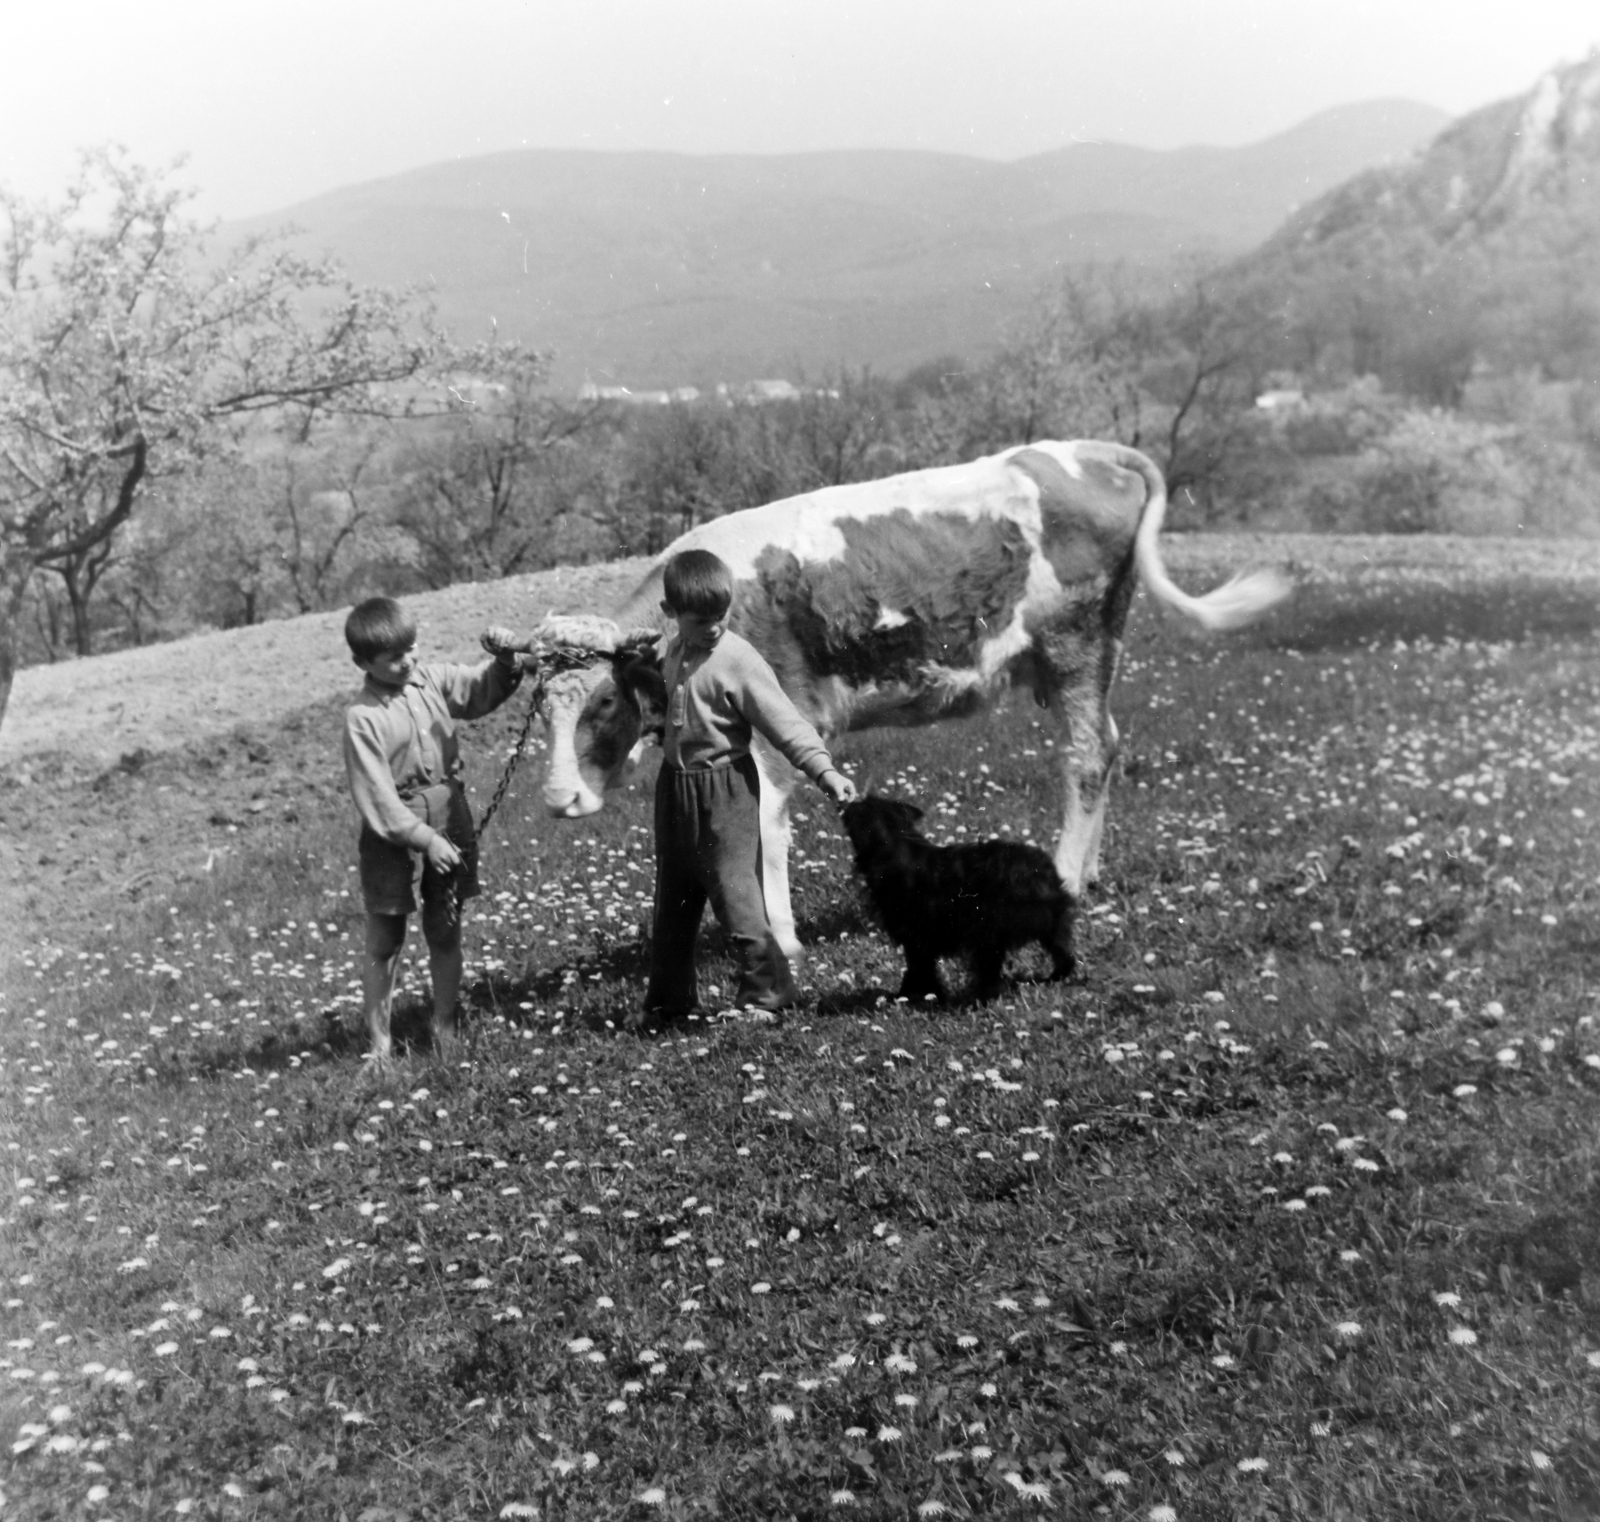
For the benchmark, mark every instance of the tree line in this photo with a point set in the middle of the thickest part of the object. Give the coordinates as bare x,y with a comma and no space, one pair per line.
194,439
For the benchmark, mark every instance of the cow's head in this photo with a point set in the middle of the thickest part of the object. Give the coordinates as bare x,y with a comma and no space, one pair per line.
599,713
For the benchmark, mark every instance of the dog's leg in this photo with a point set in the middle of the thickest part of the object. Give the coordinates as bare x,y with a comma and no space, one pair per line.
1063,958
987,962
922,974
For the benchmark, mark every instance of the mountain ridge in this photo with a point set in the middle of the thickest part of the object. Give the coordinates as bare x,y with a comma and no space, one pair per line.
655,268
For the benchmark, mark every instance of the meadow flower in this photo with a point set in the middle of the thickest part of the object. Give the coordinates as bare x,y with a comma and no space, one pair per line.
1463,1336
1175,1458
908,1401
97,1493
1398,1115
1349,1255
844,1361
1161,1512
1251,1466
519,1509
988,1389
947,1456
781,1414
616,1407
1464,1090
1224,1360
1294,1207
841,1498
1115,1478
1593,1360
981,1454
1348,1328
887,1434
654,1496
760,1288
1006,1303
1540,1460
165,1349
1447,1299
931,1508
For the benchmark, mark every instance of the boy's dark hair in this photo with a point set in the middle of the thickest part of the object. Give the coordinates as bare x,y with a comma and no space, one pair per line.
378,626
698,582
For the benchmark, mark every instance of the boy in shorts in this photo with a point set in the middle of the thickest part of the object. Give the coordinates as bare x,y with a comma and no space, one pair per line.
720,690
418,846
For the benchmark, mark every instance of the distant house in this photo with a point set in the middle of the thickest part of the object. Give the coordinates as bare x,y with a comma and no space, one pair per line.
590,392
771,391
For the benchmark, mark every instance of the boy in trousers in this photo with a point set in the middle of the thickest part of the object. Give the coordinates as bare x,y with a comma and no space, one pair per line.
418,846
707,805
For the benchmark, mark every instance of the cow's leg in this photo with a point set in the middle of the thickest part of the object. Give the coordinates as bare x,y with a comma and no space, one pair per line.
1110,747
778,780
1077,666
1086,751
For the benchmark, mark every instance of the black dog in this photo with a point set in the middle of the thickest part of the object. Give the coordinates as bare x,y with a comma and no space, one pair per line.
981,899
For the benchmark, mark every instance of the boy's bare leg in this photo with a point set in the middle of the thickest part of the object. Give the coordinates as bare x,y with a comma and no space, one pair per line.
445,966
386,941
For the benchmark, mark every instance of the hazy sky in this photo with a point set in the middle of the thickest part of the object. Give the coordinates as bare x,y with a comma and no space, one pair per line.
276,102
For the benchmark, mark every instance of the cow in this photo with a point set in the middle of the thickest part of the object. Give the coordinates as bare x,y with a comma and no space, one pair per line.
906,601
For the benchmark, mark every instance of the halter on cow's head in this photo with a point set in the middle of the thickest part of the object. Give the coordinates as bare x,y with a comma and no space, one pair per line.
600,707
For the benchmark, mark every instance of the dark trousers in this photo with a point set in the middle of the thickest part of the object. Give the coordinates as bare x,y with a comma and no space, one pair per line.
708,848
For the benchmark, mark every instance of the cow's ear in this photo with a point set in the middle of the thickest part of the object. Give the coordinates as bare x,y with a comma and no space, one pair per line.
639,677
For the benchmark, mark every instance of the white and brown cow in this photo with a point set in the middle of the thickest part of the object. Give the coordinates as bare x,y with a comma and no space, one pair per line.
909,600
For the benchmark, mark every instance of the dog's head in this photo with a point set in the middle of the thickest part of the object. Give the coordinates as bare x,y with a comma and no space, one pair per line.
876,825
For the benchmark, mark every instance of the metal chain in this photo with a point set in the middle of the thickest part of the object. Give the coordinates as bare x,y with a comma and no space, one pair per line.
553,657
535,703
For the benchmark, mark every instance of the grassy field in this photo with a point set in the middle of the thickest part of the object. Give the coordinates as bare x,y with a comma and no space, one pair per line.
1289,1206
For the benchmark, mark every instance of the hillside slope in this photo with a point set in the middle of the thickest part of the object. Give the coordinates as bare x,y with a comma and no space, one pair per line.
656,269
1484,246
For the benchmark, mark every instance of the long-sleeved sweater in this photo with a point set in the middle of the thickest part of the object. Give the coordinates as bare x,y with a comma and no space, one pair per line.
398,740
716,698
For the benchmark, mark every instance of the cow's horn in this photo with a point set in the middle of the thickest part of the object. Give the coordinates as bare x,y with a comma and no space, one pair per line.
587,631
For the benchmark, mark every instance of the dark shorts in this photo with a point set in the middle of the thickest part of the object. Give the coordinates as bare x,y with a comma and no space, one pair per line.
398,880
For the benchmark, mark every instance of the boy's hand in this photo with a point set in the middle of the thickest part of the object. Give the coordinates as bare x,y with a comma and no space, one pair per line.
838,787
502,644
442,856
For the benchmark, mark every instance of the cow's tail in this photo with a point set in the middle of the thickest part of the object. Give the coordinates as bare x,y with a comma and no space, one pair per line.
1235,603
